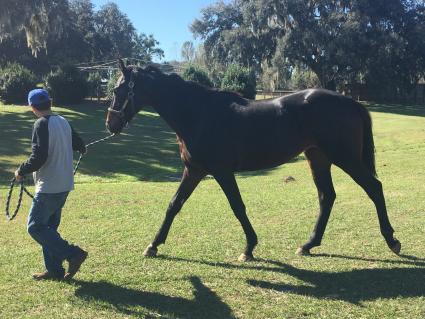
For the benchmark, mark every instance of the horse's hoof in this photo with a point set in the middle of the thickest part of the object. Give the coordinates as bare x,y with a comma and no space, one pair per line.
245,257
302,252
396,247
150,251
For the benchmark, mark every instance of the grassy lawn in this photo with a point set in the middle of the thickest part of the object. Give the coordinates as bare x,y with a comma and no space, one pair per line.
123,188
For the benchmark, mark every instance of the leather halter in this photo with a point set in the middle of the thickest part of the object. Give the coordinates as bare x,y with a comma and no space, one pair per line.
128,101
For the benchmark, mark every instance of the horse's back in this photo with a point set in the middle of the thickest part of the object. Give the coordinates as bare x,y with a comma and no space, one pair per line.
263,134
281,128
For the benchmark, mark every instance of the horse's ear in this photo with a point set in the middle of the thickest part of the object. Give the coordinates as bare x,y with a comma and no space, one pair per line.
121,65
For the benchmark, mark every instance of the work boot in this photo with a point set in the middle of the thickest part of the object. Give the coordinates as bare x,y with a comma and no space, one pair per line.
45,275
75,263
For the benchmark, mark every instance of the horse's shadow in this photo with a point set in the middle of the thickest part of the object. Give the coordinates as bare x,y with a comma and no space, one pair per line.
206,303
354,286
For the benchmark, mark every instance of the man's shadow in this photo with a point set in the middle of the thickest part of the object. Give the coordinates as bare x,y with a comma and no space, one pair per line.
206,303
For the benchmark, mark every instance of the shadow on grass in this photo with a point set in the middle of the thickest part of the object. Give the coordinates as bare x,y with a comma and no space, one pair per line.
410,110
16,140
354,286
404,259
206,303
147,150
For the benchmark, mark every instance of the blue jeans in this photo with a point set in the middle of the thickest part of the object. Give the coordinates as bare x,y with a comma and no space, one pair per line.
43,222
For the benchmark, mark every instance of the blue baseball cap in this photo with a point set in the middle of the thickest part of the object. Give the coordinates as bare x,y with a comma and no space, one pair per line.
37,97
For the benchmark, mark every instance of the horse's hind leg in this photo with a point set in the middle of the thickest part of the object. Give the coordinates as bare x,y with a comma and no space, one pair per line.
373,188
321,171
190,180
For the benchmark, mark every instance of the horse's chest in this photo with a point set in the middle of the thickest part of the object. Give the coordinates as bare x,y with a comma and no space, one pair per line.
189,154
184,152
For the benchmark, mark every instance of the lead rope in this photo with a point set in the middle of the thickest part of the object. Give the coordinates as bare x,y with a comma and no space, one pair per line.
24,189
89,144
9,195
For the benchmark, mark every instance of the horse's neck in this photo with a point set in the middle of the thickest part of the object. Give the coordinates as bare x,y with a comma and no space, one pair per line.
175,107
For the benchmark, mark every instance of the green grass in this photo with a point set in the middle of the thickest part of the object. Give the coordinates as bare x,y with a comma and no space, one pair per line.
124,186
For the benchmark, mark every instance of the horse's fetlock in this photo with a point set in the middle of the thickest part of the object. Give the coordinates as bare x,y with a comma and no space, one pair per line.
388,234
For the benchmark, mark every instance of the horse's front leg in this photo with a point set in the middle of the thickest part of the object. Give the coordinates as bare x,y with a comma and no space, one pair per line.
191,178
229,186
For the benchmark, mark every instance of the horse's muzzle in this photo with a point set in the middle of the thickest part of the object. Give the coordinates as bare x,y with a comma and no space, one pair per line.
113,127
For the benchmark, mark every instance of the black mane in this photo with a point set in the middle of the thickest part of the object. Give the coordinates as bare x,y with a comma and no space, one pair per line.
192,88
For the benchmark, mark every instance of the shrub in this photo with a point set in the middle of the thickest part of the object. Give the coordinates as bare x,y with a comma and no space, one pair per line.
112,82
94,84
15,83
239,79
67,85
304,79
196,74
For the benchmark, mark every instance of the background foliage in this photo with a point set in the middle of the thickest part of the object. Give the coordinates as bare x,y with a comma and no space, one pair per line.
379,43
14,80
197,74
378,46
239,79
67,85
69,32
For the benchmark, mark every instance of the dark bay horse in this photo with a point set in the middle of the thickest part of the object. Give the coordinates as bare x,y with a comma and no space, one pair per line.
220,133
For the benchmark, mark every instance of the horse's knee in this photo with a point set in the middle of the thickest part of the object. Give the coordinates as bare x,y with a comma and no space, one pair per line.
377,186
327,197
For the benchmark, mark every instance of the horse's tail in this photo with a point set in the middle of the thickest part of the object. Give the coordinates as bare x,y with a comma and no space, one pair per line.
368,153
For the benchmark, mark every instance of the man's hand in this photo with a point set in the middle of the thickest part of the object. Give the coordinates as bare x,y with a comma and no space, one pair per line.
17,176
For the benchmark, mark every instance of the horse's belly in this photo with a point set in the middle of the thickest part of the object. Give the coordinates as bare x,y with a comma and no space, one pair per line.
256,158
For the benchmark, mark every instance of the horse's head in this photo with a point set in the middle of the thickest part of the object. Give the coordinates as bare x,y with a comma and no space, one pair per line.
130,95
